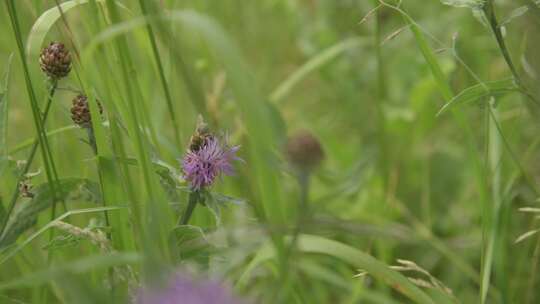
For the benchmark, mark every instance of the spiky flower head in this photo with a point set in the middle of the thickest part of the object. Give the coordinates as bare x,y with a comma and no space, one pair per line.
55,60
80,111
207,158
304,151
187,290
201,167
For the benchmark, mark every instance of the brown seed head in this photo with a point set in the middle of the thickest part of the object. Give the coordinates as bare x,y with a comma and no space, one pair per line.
304,150
55,60
80,111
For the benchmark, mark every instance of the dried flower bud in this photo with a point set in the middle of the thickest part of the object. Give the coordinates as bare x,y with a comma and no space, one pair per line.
25,188
55,60
304,151
80,111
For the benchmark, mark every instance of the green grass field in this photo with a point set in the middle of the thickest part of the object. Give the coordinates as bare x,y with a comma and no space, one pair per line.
389,150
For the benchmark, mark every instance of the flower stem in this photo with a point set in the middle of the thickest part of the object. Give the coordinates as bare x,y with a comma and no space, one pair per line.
302,217
193,200
93,144
92,139
30,158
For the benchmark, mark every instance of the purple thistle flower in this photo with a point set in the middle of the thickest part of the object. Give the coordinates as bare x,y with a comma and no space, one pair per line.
202,166
187,290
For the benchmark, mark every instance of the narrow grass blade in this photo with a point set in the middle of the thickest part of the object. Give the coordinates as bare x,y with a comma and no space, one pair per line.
526,235
479,91
80,266
25,215
28,142
10,253
4,87
350,255
46,21
312,65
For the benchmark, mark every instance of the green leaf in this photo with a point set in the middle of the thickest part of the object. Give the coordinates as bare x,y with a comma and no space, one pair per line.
190,243
481,90
63,241
25,216
169,176
46,21
312,65
348,254
464,3
29,142
4,109
215,201
4,117
2,210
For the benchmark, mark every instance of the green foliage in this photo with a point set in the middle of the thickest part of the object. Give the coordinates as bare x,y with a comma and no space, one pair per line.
26,214
428,121
465,3
189,243
482,90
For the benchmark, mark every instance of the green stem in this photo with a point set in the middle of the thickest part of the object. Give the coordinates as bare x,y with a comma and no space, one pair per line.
381,96
92,140
532,281
302,216
489,12
303,209
194,198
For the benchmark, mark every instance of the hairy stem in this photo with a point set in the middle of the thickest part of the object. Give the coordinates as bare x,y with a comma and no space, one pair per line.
194,198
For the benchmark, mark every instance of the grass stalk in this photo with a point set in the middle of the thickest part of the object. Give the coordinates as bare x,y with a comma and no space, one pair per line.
161,72
36,115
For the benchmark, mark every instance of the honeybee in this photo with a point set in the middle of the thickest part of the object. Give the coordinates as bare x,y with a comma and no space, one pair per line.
202,134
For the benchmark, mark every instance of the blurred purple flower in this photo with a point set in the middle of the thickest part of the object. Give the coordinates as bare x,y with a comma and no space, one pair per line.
202,166
183,289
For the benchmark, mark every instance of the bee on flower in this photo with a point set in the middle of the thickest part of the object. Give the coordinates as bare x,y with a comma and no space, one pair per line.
207,158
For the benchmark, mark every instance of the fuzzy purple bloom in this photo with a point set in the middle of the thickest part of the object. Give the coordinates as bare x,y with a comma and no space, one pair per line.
202,166
183,289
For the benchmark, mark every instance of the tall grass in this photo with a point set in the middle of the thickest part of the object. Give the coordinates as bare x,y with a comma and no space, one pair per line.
427,113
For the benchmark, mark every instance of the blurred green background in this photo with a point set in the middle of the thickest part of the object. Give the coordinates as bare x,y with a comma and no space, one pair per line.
367,78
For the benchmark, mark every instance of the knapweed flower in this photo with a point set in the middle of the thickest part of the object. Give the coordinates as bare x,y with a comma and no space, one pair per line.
80,111
55,60
182,289
304,151
211,159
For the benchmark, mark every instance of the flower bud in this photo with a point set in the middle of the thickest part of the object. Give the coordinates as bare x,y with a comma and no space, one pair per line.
304,151
55,60
80,111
